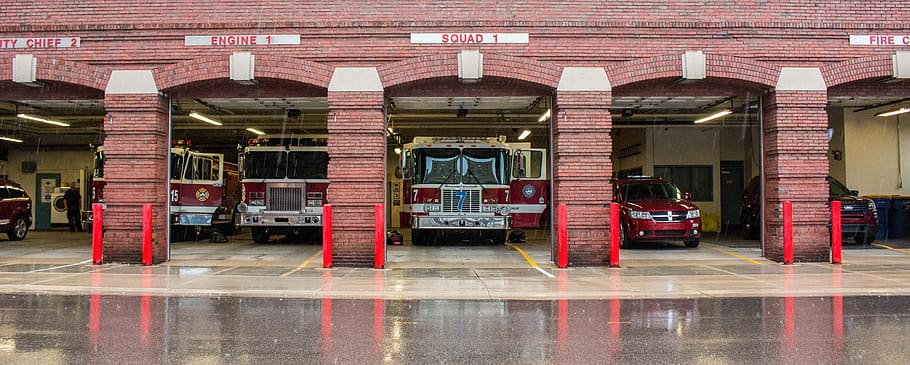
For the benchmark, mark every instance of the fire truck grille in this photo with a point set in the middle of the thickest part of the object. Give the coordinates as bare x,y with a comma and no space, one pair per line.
668,216
285,199
469,204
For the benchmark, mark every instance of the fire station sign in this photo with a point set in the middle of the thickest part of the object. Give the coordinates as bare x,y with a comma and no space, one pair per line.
40,42
468,38
880,40
241,40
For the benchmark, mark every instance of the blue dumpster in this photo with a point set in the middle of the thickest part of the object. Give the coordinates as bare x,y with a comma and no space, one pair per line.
899,218
882,205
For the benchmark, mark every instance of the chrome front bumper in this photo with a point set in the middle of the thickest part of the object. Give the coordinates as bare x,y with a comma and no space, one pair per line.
448,222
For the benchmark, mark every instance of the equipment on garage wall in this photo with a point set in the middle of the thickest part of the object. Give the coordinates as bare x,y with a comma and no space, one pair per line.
45,183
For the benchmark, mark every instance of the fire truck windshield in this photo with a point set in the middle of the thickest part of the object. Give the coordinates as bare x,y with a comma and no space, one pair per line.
454,166
282,164
176,166
98,172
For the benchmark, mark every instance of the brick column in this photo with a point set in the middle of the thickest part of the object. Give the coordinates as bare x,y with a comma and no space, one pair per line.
795,166
357,155
135,169
582,147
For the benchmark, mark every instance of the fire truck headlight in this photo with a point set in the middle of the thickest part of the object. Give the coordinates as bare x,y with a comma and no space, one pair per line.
433,207
242,208
692,214
639,215
505,210
257,201
489,209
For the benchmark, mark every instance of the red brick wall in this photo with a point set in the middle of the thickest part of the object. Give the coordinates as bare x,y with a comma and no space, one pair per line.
796,164
135,170
357,172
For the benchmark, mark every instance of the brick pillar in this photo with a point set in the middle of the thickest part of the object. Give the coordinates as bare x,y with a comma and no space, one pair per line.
582,147
357,154
135,170
795,167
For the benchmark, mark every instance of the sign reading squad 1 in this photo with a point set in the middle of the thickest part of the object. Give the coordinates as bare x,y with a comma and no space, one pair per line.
468,38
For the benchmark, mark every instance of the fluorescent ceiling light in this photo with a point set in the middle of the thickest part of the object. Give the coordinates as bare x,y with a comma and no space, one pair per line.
397,151
256,131
544,117
42,120
204,118
893,112
524,134
714,116
11,139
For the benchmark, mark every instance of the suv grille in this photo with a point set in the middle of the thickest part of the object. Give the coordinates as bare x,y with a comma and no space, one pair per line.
451,197
285,199
853,210
665,216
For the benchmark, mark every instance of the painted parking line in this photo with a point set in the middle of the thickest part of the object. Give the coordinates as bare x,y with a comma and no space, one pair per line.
304,264
62,266
735,255
529,260
891,248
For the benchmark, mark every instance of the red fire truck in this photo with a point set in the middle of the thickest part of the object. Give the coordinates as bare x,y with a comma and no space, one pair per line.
97,186
284,179
464,189
205,190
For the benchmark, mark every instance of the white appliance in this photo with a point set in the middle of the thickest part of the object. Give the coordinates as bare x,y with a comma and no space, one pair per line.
58,207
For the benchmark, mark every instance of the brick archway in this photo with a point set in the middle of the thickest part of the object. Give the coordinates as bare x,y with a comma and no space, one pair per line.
446,65
717,66
857,69
60,70
219,67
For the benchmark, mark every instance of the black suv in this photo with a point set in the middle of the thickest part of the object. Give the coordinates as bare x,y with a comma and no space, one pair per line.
15,210
859,219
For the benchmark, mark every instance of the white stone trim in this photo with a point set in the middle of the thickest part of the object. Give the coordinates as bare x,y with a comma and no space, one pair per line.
131,82
801,79
583,79
355,79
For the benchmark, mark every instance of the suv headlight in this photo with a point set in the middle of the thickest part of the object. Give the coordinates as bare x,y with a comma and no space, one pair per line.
692,214
639,215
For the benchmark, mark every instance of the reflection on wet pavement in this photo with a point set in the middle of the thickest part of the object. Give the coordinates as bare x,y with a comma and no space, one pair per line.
215,330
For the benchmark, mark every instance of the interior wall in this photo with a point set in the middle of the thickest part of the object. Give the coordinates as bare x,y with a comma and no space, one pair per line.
876,153
625,138
689,146
837,166
74,166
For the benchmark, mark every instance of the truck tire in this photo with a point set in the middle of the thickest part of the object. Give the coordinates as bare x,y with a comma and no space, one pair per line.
863,238
498,236
260,235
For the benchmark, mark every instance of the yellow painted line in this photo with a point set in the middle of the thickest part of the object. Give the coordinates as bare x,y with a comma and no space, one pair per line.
303,265
737,256
529,260
891,248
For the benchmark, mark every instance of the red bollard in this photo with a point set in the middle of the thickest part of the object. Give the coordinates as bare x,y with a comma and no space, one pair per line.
788,233
379,235
836,231
146,234
614,235
562,254
96,233
327,236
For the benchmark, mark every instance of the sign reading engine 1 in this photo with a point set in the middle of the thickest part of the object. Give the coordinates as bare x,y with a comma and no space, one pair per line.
468,38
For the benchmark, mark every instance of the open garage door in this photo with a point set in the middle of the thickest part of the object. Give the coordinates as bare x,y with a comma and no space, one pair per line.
682,156
48,132
467,174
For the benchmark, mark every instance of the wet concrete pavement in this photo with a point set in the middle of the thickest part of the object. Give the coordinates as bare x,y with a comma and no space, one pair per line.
148,329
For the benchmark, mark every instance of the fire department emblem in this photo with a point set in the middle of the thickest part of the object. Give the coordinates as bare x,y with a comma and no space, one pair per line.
202,194
528,191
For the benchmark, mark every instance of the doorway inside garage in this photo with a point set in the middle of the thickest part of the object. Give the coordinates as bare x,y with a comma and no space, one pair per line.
468,173
683,156
248,170
48,133
869,142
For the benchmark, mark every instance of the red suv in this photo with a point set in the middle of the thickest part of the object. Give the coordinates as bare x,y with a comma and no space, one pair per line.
859,219
653,209
15,210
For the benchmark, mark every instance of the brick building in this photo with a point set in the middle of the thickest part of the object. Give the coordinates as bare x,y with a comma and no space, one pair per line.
797,61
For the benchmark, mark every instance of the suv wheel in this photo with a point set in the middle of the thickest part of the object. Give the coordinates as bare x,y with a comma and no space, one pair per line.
691,243
19,230
750,231
624,242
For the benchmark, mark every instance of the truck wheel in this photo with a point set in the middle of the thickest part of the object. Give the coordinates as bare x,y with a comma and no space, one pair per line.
691,243
863,239
750,231
178,234
418,237
260,235
498,236
19,230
